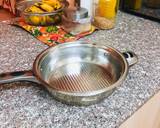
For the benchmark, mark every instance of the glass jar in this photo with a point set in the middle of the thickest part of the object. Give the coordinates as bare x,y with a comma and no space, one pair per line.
105,13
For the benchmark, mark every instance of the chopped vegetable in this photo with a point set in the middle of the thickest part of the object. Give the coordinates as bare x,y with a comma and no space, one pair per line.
37,33
52,29
68,35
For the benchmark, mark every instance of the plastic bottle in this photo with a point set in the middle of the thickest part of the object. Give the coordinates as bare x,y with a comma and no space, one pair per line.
135,4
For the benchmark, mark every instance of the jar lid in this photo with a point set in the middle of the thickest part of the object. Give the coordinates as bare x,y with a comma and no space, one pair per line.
80,14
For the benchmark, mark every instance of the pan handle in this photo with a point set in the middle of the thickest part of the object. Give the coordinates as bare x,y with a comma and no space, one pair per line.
17,76
131,57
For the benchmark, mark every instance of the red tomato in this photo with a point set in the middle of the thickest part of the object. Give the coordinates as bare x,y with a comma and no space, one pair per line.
54,37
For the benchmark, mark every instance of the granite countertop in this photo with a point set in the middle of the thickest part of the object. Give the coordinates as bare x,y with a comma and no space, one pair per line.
27,105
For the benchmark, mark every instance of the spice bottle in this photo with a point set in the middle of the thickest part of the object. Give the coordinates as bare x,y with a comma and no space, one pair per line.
105,14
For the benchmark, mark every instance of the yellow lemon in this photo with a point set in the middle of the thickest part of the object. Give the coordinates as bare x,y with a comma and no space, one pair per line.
35,20
43,20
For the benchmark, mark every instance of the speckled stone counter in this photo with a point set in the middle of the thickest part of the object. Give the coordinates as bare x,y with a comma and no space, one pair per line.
27,105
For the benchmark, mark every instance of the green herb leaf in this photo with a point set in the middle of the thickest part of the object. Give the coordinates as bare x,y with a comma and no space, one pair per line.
68,35
52,29
50,41
37,33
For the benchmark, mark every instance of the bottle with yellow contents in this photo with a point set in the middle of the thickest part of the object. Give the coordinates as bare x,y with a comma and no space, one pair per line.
105,16
135,4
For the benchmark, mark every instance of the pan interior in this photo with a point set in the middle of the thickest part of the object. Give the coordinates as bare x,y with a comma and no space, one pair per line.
81,68
80,76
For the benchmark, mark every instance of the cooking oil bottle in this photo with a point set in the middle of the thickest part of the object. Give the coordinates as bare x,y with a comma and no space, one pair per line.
135,4
105,14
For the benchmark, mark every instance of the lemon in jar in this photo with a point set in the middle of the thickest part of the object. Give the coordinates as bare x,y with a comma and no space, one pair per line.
35,19
50,20
43,20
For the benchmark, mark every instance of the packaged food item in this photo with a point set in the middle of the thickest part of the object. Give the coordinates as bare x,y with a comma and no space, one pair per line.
105,14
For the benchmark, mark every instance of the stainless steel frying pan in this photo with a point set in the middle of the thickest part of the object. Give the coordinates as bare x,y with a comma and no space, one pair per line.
77,73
